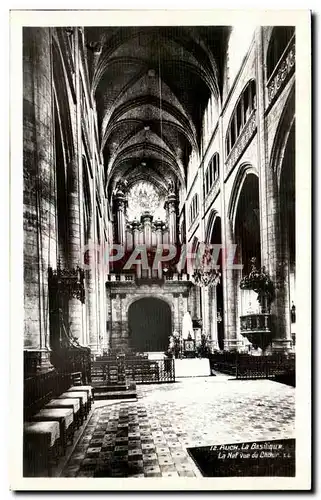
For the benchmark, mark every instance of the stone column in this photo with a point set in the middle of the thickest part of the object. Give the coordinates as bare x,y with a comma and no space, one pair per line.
108,319
159,240
136,240
159,231
103,309
39,191
261,149
115,320
197,292
274,252
177,320
129,238
171,210
91,296
146,220
74,243
281,314
205,311
135,226
228,276
75,206
182,308
120,203
123,321
231,278
213,319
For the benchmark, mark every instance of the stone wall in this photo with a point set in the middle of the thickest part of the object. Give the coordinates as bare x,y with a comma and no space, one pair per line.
120,295
39,197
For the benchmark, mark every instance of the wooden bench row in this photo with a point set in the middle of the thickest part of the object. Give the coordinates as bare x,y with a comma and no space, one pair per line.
48,432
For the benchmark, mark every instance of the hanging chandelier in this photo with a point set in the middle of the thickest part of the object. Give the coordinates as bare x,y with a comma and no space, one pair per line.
205,274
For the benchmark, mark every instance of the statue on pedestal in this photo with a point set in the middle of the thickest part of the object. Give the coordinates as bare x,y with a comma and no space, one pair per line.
187,326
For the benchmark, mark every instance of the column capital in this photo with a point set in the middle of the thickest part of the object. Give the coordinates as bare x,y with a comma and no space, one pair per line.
120,201
171,201
159,225
146,217
135,224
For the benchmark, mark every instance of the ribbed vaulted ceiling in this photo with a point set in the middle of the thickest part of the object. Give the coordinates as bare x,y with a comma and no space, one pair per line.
151,86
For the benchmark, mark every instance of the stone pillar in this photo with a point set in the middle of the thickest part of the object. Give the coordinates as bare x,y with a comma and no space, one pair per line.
98,307
120,203
75,206
231,278
159,231
74,244
229,281
39,191
274,251
213,319
198,311
136,240
129,238
135,226
281,314
103,309
205,311
159,240
177,320
170,206
123,322
146,220
261,149
115,320
91,295
108,319
182,306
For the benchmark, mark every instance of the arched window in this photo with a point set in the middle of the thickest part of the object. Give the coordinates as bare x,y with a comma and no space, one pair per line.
280,38
241,114
193,208
212,173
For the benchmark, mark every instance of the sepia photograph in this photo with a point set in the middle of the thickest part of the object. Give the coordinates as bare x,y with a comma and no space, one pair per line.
164,196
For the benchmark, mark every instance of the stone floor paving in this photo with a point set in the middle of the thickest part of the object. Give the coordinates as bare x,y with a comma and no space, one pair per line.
149,437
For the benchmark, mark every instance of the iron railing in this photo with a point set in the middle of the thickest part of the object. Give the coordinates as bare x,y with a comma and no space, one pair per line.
245,366
139,370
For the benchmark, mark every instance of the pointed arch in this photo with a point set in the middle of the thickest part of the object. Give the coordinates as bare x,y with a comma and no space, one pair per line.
243,171
283,130
62,99
210,225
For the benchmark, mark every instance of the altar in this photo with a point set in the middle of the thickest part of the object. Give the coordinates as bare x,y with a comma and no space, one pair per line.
195,367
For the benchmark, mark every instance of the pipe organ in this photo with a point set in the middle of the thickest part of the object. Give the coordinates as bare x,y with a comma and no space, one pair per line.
146,228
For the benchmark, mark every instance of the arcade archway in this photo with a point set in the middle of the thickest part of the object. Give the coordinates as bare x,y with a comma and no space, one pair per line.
286,237
149,325
247,239
216,239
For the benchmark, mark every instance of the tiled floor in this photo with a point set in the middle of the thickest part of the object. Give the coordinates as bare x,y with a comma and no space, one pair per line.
149,437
